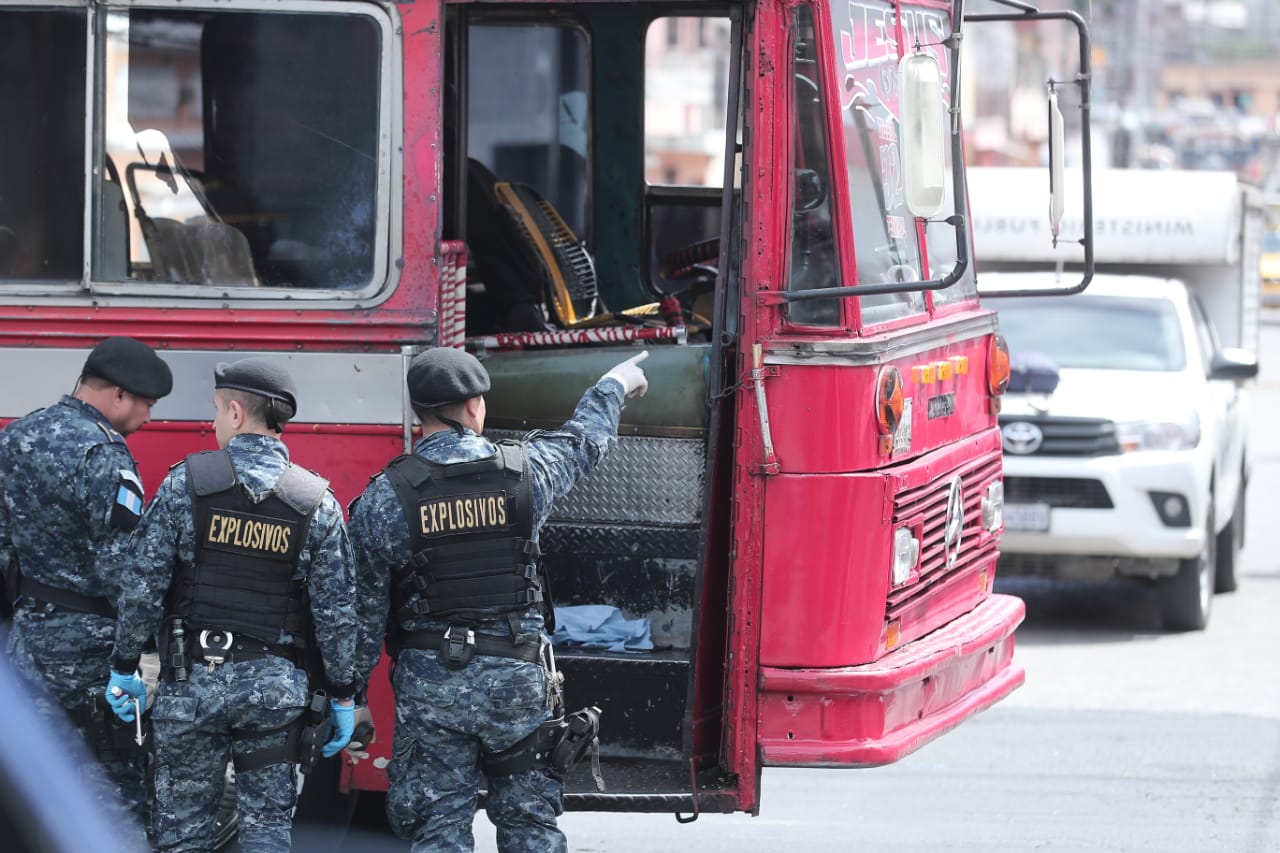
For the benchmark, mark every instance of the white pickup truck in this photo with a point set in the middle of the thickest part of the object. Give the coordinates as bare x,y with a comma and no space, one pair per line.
1126,422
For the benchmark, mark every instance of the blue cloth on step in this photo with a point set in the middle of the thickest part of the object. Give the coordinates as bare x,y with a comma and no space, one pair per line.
600,626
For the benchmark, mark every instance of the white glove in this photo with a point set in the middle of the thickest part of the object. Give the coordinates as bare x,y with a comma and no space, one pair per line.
149,667
630,376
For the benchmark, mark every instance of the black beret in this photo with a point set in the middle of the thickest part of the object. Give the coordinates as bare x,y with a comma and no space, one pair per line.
445,375
132,365
262,376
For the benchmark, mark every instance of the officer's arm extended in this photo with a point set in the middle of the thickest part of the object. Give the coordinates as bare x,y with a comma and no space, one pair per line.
559,459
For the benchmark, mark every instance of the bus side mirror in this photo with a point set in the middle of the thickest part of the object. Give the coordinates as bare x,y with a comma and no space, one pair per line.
924,149
1057,189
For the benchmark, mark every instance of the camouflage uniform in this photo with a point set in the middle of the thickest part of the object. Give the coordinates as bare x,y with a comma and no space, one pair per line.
445,718
63,515
201,723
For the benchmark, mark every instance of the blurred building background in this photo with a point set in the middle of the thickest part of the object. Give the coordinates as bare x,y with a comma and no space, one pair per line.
1187,84
1176,84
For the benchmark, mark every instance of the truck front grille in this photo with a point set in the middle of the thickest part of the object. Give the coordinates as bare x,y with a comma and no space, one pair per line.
1059,436
1073,492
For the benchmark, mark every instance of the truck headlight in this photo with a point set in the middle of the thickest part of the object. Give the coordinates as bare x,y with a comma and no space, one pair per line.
1180,434
906,553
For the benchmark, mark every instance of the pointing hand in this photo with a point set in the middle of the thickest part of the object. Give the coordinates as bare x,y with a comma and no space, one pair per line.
630,376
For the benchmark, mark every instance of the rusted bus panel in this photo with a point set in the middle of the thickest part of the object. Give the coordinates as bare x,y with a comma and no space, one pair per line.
830,565
811,613
824,415
880,712
822,394
422,28
365,449
217,328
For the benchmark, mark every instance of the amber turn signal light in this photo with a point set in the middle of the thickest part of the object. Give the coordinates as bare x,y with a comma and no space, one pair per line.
890,400
998,366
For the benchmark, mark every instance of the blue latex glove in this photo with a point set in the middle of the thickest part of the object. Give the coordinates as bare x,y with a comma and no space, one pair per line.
343,722
122,690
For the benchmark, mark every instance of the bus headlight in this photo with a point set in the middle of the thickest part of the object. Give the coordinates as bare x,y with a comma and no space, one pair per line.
993,507
906,553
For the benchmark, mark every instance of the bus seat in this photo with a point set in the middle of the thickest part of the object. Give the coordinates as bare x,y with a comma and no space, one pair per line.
199,248
113,260
527,270
199,251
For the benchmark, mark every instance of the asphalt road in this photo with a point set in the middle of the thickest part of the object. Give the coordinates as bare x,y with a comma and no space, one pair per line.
1124,738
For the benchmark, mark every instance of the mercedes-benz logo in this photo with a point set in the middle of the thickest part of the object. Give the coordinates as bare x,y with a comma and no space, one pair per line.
953,522
1021,437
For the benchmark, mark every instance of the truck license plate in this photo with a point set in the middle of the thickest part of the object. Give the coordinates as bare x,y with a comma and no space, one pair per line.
1026,517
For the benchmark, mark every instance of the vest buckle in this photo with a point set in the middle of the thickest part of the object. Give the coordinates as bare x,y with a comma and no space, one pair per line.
457,649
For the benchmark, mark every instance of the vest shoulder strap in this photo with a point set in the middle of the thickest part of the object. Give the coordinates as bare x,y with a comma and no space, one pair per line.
409,467
475,466
512,453
407,474
301,489
210,472
509,457
514,459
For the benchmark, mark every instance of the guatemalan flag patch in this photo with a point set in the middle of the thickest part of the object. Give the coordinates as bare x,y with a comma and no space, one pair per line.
127,509
127,499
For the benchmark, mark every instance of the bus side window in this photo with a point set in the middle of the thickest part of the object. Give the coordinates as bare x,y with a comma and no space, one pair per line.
813,255
41,172
527,165
686,121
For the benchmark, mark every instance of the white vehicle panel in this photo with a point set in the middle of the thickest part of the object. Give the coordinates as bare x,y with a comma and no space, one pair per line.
1100,501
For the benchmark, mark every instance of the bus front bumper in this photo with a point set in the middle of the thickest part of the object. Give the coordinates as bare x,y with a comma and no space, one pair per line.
877,713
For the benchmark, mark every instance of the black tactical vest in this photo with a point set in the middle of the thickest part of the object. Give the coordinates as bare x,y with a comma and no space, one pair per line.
471,528
246,552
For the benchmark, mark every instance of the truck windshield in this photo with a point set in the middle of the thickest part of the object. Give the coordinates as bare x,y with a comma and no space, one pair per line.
1095,332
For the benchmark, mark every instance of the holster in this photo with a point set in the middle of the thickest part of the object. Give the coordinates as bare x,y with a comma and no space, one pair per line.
557,744
315,731
109,738
307,736
578,733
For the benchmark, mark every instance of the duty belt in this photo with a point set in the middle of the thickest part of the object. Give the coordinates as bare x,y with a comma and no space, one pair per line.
459,644
215,647
65,598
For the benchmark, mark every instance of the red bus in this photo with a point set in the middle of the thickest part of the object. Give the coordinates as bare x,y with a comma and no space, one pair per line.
807,504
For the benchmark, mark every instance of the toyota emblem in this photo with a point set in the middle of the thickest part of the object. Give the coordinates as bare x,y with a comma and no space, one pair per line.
1021,438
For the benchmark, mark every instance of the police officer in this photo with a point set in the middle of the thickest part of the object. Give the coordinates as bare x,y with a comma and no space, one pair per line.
446,554
69,496
238,558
